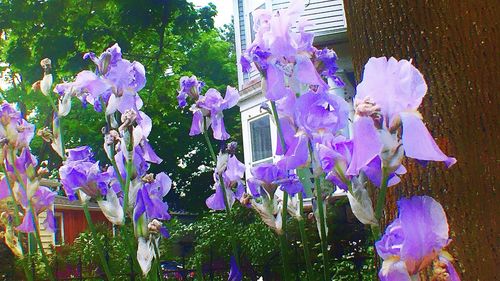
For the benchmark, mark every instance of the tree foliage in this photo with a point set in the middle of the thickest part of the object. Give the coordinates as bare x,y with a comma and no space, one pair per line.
170,38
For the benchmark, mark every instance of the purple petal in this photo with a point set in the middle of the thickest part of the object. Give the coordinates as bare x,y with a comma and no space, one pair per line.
231,98
28,224
4,190
418,142
235,169
366,144
218,127
197,124
234,273
306,73
425,227
164,232
453,274
50,221
275,88
296,156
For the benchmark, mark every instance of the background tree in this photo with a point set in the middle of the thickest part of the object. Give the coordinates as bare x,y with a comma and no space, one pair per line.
455,46
170,38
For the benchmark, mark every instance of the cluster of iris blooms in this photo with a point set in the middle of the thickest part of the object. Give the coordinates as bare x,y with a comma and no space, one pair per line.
315,155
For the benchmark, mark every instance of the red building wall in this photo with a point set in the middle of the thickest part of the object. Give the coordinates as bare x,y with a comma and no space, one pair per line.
75,223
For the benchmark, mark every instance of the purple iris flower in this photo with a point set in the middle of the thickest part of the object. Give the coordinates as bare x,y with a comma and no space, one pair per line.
234,273
189,86
335,155
328,58
414,240
15,129
232,177
42,200
116,83
319,113
278,52
267,177
81,172
212,105
387,99
149,200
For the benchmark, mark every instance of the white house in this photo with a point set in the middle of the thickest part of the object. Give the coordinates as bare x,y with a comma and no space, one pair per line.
328,16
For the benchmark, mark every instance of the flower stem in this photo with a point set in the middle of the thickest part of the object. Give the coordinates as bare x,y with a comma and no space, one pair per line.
100,252
17,221
303,236
283,240
284,256
322,227
223,187
128,178
380,203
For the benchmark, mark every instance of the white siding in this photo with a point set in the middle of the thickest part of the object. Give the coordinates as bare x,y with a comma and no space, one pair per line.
327,15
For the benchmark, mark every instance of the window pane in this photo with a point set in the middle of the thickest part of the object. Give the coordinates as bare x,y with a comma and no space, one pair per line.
260,132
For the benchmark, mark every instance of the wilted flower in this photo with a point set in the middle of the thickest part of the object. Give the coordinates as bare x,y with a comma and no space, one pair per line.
414,240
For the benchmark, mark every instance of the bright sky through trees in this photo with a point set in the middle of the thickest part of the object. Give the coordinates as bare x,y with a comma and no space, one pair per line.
224,10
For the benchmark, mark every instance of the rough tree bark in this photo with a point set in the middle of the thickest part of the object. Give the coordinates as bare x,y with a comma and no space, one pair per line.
455,45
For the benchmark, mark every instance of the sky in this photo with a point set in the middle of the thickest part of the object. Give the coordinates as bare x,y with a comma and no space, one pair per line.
224,10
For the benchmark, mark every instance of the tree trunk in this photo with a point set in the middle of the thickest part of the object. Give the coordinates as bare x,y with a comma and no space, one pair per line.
455,45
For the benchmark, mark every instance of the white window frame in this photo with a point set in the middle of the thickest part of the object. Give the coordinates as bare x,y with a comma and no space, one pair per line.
61,227
253,119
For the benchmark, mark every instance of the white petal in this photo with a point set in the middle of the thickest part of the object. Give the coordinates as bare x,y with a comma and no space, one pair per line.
145,254
361,204
111,208
46,84
65,105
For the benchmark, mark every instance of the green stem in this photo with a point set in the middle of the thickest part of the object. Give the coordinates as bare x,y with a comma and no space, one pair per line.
126,187
17,221
380,203
278,125
303,236
157,261
223,187
284,214
100,252
284,256
322,227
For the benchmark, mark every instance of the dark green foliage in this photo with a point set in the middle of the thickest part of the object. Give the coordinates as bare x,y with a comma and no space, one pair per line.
170,38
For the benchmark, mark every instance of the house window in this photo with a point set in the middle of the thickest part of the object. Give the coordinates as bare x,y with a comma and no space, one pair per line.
59,231
260,137
252,31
